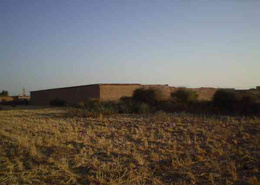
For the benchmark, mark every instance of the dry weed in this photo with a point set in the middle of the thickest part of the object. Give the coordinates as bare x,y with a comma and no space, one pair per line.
45,147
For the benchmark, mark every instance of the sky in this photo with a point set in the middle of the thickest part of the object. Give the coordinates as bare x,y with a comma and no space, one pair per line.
59,43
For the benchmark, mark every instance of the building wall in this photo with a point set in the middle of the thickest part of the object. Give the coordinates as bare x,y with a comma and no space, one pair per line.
110,92
165,90
71,95
113,92
204,93
106,92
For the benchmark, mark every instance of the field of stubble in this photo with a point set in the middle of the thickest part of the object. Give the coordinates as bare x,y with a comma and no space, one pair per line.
44,146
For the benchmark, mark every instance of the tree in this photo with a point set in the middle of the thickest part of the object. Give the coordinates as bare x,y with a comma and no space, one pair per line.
184,96
4,93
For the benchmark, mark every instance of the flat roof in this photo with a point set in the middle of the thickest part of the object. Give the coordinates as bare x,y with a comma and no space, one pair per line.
116,84
86,86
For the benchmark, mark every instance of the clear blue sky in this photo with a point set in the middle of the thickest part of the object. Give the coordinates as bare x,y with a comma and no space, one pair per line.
56,43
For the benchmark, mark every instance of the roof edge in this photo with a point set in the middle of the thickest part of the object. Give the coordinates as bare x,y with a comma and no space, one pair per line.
86,86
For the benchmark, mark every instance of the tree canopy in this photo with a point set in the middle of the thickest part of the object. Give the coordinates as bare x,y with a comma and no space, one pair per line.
4,93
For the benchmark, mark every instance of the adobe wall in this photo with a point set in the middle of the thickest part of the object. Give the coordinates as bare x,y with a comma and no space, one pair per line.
107,92
164,89
110,92
204,93
115,92
72,95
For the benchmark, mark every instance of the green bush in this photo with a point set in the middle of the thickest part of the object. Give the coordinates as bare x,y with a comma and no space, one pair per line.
184,96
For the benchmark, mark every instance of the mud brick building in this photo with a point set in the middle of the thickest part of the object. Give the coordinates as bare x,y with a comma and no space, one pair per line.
104,92
76,94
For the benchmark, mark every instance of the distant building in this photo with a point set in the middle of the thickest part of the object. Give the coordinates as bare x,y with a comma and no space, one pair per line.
102,92
105,92
14,99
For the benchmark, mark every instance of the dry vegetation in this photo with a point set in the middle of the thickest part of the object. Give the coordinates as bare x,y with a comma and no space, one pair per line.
45,147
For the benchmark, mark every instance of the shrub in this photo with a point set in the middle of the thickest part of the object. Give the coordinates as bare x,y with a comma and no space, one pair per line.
126,105
249,103
124,108
167,106
225,99
92,108
184,96
255,109
129,105
141,108
126,99
58,102
94,105
248,98
150,96
237,102
109,107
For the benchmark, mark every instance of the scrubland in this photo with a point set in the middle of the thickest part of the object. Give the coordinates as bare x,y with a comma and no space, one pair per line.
46,146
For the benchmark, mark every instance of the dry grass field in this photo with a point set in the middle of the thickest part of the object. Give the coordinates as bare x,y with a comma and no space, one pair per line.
44,146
